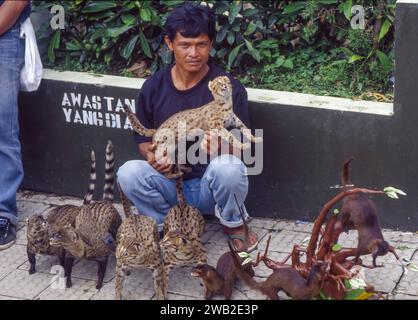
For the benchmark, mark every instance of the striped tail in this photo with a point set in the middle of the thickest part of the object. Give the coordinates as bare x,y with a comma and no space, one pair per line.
180,195
136,125
108,192
126,204
92,184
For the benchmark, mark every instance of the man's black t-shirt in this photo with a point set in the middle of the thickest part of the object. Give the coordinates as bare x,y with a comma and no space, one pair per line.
159,99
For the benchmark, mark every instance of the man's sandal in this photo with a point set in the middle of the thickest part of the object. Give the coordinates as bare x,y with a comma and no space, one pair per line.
241,237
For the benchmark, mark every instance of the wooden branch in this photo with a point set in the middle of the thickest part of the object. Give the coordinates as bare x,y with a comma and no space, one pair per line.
323,214
264,256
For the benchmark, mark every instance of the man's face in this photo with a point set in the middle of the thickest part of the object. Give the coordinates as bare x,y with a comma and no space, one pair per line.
191,54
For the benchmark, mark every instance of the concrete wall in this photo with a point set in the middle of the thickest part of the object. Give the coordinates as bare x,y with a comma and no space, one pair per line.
306,139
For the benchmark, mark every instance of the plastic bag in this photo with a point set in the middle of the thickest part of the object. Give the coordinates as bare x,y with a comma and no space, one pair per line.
31,73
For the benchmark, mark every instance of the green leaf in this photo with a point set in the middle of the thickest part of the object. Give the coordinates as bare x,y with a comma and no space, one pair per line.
385,61
248,260
233,55
357,283
279,61
99,33
54,44
221,53
249,45
254,53
221,7
355,58
392,194
145,14
384,30
354,294
243,254
100,16
336,247
115,32
236,26
336,211
231,37
250,12
305,241
400,192
156,21
129,47
144,45
98,6
347,51
251,28
294,6
220,36
128,19
347,9
337,62
73,46
233,11
288,64
171,3
412,267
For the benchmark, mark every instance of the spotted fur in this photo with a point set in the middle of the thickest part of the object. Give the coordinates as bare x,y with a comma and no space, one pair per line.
183,228
92,236
40,228
95,225
138,247
183,217
217,114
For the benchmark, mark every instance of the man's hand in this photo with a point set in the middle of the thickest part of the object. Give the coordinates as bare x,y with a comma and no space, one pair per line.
147,150
10,11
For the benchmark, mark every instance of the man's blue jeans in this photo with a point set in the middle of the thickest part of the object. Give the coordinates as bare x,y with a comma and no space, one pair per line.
12,50
153,194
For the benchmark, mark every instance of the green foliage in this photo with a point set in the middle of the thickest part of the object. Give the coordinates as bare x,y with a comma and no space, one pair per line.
266,43
392,192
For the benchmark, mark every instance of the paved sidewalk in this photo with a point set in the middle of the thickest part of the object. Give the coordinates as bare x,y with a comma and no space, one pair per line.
16,283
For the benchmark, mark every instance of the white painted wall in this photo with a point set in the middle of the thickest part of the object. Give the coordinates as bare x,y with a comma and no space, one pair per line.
255,95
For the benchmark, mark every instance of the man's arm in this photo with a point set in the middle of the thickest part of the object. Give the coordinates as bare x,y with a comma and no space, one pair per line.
10,11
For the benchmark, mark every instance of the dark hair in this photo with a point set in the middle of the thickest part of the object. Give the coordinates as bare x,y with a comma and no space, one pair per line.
190,21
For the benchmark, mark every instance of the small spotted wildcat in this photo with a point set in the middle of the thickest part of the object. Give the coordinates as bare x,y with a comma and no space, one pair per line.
138,247
217,114
183,217
183,228
40,228
95,228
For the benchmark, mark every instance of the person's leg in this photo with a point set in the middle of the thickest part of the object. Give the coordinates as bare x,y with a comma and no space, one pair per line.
225,177
150,191
11,173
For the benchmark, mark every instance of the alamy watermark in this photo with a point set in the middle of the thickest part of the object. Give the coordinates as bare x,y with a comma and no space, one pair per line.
191,149
58,280
58,20
358,20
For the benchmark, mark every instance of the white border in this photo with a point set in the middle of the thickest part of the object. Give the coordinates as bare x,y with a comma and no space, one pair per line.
407,1
254,95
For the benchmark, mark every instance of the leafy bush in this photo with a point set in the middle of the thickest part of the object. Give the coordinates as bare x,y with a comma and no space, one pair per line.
269,38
